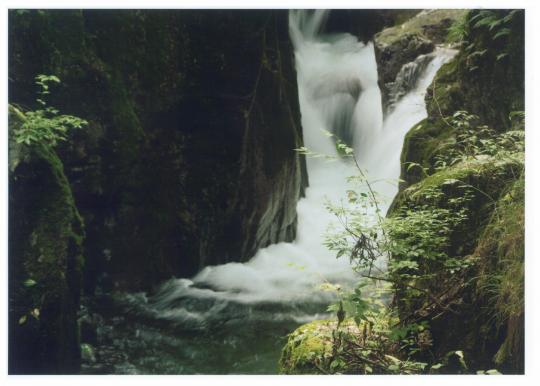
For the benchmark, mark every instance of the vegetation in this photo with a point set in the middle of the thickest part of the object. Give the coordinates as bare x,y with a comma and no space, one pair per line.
442,288
46,238
45,126
424,267
419,23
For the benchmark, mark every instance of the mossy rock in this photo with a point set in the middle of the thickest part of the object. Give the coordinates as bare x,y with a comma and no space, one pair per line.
421,145
401,44
424,24
472,82
501,278
487,239
486,77
170,97
486,176
323,347
46,262
482,172
310,346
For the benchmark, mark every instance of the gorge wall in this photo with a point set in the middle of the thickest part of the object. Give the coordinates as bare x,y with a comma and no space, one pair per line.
188,157
483,305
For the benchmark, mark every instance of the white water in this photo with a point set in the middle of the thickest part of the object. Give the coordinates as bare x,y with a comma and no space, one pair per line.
337,78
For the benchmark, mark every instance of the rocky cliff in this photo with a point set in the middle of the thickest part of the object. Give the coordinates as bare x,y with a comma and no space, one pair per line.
45,261
477,159
404,42
188,157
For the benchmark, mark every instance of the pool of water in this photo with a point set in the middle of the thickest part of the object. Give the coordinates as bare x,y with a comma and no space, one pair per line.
205,337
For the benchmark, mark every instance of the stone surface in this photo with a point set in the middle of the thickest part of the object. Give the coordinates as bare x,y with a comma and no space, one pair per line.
490,238
401,44
45,263
188,158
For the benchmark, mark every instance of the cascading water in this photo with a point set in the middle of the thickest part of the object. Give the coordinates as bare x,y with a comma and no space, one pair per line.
233,318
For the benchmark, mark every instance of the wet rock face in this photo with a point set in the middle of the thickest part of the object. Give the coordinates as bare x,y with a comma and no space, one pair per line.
188,157
392,57
401,44
407,79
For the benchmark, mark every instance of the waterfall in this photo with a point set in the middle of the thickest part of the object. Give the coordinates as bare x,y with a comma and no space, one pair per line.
338,93
337,77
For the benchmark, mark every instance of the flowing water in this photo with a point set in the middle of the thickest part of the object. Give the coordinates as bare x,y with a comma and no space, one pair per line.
233,318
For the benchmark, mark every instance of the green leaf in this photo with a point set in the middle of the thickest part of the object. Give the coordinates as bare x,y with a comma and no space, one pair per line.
495,24
29,283
392,358
22,319
501,33
485,21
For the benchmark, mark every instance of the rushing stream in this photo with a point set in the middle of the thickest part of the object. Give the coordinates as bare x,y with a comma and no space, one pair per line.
233,318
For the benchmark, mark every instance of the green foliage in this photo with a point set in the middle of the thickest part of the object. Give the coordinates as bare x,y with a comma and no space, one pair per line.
458,31
490,20
29,283
495,24
488,372
418,238
474,140
501,278
45,126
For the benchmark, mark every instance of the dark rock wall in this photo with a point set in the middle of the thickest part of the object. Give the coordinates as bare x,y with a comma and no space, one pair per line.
188,158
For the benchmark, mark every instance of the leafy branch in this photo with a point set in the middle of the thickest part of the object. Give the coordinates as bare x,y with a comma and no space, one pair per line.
45,126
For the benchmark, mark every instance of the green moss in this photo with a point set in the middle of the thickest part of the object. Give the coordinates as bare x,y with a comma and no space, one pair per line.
486,321
483,67
420,146
485,175
46,235
489,294
445,94
310,349
320,347
305,346
483,167
501,253
128,130
417,24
